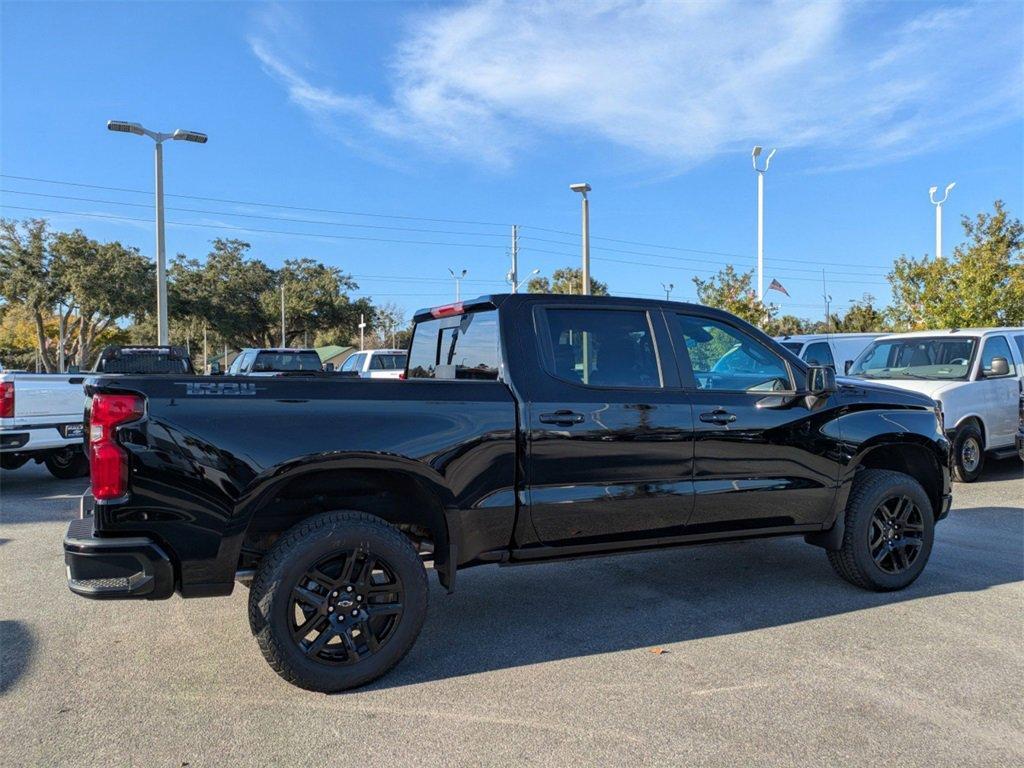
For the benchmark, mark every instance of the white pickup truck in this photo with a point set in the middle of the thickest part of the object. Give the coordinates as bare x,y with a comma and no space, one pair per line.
976,375
41,419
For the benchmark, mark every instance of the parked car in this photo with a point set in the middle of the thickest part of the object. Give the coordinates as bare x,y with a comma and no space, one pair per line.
144,359
376,364
274,362
838,350
975,375
531,428
41,421
1019,438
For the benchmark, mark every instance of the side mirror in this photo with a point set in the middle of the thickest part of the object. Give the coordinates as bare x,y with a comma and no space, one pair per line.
847,366
821,379
215,368
1000,367
329,367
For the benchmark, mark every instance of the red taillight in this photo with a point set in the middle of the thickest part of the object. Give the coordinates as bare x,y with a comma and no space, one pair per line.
447,310
108,463
6,399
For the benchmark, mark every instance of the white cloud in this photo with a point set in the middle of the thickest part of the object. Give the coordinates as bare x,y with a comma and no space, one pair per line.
678,83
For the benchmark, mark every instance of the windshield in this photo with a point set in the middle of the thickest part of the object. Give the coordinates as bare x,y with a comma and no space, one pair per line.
940,357
286,361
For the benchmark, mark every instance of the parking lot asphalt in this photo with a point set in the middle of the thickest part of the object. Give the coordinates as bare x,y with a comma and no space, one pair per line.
768,659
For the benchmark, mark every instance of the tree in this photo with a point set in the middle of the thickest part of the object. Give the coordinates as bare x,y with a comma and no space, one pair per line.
733,292
387,328
103,283
862,317
26,277
567,280
982,284
787,325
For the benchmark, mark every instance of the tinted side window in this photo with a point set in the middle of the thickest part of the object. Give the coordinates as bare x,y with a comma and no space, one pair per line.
996,346
458,347
601,347
819,353
349,364
1020,348
724,358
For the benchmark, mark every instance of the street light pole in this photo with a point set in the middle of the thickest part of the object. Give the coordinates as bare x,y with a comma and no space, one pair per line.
516,286
583,188
362,329
760,216
458,280
668,290
159,138
282,317
938,215
513,273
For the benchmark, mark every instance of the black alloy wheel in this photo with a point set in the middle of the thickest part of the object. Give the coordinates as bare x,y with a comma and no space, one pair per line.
346,607
896,534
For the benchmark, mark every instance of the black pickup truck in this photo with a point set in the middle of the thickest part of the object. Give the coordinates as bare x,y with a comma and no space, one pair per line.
528,428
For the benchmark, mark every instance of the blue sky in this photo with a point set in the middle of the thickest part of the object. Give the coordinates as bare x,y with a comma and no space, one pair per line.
485,112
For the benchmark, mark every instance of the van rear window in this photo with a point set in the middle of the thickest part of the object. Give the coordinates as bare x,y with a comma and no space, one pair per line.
457,347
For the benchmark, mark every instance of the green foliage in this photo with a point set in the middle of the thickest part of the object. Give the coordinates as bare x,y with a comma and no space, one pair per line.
862,317
733,291
982,284
567,280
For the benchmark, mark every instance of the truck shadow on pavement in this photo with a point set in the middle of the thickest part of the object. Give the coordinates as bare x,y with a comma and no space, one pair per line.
17,649
501,618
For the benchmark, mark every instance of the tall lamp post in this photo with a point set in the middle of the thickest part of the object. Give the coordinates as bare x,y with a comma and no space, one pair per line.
668,290
161,260
583,188
517,284
938,215
458,280
760,215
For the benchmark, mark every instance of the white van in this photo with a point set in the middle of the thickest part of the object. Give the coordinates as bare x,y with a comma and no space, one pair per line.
836,349
975,375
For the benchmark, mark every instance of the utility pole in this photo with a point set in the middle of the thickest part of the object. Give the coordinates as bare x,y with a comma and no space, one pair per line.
206,361
161,257
282,316
583,188
513,273
828,304
938,215
362,330
760,216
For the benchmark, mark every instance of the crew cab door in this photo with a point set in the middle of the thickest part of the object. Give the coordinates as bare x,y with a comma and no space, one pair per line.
760,460
609,432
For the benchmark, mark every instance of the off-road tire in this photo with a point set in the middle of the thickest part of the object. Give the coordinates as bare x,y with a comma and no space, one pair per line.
853,561
286,565
67,463
968,432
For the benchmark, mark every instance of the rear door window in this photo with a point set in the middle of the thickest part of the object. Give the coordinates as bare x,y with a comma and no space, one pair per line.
601,347
458,347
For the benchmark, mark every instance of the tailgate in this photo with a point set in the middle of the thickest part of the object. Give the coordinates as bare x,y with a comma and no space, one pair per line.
49,396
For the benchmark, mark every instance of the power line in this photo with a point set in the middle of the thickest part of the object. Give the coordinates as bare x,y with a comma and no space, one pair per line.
249,202
114,217
255,216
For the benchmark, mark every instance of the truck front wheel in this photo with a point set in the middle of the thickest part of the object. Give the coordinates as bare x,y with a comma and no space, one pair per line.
968,453
338,601
889,531
67,463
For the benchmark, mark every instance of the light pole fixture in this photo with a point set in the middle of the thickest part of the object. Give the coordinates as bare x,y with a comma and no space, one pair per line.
668,290
120,126
511,277
938,215
583,188
754,155
458,280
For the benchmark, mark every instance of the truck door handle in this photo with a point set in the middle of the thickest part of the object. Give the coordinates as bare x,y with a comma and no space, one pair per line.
718,416
563,418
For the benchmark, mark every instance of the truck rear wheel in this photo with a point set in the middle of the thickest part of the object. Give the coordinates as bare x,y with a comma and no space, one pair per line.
968,453
889,531
67,463
338,601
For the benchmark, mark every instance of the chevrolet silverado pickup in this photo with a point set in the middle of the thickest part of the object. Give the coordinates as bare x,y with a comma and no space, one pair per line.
528,428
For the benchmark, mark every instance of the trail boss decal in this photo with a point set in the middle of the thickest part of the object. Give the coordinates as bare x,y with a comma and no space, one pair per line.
216,389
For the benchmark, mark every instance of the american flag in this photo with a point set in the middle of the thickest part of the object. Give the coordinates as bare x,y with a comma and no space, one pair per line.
777,286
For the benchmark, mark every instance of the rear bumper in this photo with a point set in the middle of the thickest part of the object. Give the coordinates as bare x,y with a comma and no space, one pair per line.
115,568
35,438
